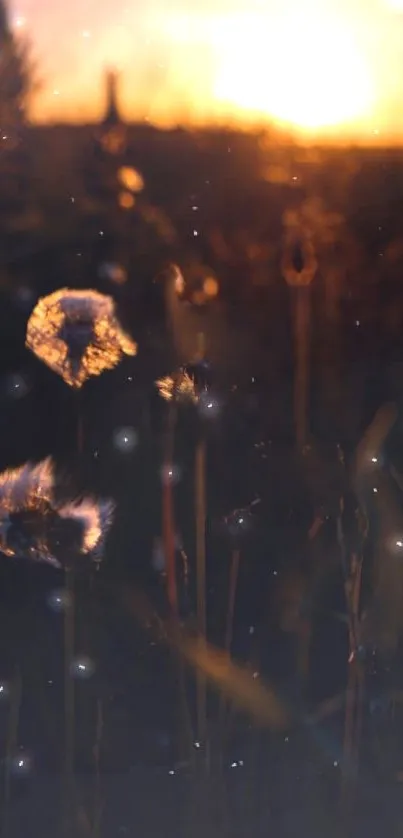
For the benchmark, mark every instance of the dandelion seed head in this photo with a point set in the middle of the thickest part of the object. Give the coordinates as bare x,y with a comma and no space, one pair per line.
180,387
35,525
77,334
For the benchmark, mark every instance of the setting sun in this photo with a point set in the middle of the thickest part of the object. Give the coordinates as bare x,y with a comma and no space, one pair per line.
301,70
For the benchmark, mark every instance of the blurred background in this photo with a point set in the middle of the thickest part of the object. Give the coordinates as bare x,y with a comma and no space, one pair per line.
201,583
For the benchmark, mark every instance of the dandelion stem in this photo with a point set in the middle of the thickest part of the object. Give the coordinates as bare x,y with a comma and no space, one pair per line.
12,736
301,376
69,618
200,494
168,512
168,529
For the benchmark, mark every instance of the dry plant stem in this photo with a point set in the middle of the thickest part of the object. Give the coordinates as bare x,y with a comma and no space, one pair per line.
168,531
354,696
168,528
69,791
97,760
200,496
12,736
233,583
80,433
79,422
301,377
304,638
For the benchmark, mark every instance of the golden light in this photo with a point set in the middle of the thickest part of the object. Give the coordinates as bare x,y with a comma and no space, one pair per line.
130,179
126,200
95,518
210,287
179,282
29,513
114,140
180,386
77,334
196,284
198,298
303,68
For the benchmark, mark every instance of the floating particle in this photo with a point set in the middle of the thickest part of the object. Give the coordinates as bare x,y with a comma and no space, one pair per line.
170,474
21,764
125,439
82,668
16,385
209,405
58,600
4,690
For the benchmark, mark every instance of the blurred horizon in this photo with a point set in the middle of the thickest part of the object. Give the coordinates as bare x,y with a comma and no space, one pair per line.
227,64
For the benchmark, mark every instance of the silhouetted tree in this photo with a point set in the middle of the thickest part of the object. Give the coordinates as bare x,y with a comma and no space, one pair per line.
17,77
18,212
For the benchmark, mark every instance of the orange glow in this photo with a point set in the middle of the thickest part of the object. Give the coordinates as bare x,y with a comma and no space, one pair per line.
130,179
114,141
326,68
126,200
181,387
210,287
311,73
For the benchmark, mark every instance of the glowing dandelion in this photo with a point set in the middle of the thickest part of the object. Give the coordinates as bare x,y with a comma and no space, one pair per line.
34,525
77,334
180,387
183,388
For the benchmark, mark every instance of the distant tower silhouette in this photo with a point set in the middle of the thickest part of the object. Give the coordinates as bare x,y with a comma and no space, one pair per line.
112,111
113,130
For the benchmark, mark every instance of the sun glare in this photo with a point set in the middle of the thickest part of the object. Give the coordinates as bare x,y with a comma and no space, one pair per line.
305,70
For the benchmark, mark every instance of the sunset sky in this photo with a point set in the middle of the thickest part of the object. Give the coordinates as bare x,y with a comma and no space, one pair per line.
323,66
